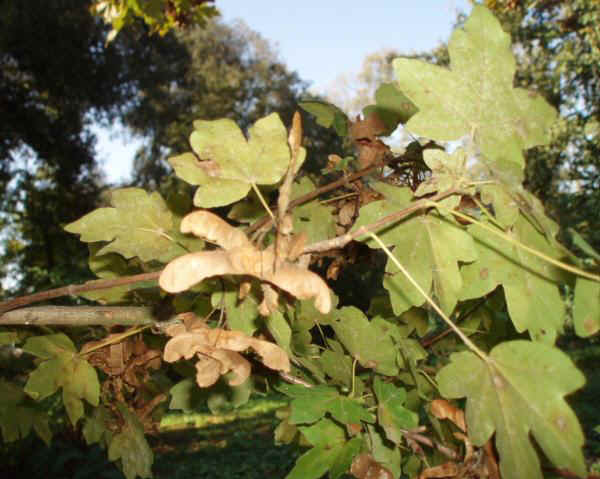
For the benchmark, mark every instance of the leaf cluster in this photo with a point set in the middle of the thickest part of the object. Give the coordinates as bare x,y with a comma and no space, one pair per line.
452,368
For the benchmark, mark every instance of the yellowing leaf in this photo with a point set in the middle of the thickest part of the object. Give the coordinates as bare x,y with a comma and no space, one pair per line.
231,164
138,224
586,307
476,95
519,391
530,284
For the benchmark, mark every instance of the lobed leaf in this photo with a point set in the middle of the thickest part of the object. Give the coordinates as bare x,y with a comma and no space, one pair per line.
138,224
476,95
231,163
530,283
519,390
131,447
429,246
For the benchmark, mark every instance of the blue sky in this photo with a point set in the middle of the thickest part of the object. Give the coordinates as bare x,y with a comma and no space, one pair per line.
320,39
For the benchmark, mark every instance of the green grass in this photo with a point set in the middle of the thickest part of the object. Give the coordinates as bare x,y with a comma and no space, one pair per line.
235,445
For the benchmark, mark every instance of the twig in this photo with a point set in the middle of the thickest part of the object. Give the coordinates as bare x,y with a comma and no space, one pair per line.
80,316
319,191
341,241
73,290
428,341
294,380
333,243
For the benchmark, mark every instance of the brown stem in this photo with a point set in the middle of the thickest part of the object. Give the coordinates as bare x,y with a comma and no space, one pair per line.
333,243
317,192
341,241
75,289
80,316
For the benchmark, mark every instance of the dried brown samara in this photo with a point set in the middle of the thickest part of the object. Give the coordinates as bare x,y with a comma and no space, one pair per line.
218,351
238,256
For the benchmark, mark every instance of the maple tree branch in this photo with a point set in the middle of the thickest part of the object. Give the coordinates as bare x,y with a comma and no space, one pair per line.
266,221
343,240
333,243
80,316
74,289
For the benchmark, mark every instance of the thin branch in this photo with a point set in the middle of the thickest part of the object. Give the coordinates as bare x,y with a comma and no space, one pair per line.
80,316
343,240
73,290
266,221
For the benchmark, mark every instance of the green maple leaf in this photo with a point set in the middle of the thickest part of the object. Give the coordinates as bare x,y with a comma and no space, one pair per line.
233,163
519,391
476,95
530,283
17,418
62,368
427,245
131,447
311,404
447,171
313,218
365,341
392,415
327,115
586,307
391,106
138,224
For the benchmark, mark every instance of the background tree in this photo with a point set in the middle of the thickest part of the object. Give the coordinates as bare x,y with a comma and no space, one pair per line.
219,71
59,77
557,47
56,78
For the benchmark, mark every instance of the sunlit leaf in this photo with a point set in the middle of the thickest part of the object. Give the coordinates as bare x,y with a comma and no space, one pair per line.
476,95
586,307
138,224
530,284
429,246
231,164
519,391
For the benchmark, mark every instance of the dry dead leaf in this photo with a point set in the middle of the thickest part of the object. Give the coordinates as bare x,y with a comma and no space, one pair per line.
448,469
346,213
295,136
212,228
368,128
443,409
364,466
